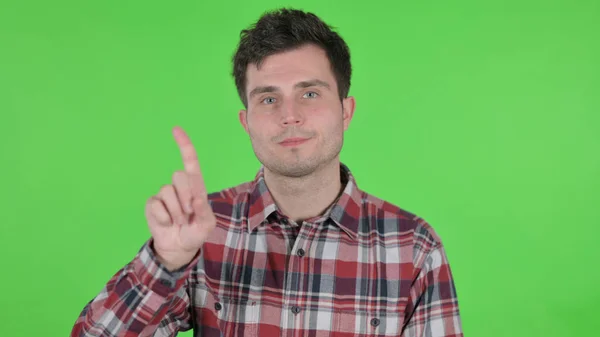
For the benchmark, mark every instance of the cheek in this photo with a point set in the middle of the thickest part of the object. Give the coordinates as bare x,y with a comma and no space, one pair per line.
260,129
327,119
254,122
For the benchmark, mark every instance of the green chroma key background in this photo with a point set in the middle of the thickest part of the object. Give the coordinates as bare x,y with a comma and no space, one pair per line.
481,117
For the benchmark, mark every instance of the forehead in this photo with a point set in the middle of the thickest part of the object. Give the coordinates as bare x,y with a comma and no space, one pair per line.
289,67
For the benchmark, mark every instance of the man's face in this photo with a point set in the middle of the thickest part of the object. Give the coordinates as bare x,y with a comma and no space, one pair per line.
295,118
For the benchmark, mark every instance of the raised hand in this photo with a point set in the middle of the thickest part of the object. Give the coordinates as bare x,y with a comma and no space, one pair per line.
179,216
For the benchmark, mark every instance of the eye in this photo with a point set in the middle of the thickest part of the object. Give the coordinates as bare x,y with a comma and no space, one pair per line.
310,94
269,100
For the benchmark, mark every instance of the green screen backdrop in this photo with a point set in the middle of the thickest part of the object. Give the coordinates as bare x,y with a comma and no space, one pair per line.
481,117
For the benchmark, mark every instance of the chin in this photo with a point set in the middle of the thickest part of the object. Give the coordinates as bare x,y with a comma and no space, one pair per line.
293,168
296,171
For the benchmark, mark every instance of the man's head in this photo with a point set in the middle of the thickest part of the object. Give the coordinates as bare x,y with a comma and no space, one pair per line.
292,73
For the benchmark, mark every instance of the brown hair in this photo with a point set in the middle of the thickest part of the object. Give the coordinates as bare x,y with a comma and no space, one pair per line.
286,29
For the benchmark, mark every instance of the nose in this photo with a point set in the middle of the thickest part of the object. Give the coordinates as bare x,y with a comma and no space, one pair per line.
291,114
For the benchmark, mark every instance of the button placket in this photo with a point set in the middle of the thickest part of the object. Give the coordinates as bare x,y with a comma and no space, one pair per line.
311,230
296,258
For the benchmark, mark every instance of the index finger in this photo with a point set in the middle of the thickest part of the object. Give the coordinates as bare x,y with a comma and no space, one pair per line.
188,152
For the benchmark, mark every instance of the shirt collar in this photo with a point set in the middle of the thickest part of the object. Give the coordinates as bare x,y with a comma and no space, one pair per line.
345,211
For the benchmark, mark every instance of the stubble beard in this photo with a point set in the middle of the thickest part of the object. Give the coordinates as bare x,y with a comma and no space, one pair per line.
294,165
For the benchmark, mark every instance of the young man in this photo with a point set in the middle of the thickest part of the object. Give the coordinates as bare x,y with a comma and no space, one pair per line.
299,251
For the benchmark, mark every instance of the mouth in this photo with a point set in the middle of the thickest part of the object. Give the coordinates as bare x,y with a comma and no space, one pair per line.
294,141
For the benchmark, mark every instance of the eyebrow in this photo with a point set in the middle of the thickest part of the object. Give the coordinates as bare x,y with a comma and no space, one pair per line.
302,84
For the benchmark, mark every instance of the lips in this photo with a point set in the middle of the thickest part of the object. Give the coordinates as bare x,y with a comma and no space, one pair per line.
293,141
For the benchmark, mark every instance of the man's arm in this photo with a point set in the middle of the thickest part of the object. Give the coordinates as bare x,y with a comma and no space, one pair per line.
433,306
142,299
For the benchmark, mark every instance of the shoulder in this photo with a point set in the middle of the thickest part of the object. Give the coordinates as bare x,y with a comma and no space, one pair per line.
388,218
412,235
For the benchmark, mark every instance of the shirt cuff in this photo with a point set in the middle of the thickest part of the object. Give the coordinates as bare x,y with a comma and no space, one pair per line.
152,274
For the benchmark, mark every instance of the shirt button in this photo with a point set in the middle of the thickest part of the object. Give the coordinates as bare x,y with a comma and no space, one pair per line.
166,282
375,322
284,221
295,310
301,252
218,306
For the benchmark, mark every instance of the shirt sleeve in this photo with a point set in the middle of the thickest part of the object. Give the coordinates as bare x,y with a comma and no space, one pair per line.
141,299
433,305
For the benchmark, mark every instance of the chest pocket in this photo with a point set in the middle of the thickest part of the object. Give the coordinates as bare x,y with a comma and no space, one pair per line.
382,322
222,316
238,317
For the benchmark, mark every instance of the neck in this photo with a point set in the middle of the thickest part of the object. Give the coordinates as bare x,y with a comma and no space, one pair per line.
305,197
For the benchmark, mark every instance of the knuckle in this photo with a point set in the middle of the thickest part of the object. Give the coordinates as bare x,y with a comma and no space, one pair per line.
177,176
163,217
149,205
166,189
156,209
153,206
151,202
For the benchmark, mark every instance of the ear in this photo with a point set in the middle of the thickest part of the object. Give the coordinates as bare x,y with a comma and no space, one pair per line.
243,116
348,105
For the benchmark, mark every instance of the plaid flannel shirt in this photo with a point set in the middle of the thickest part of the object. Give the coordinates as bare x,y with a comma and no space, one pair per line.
363,268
